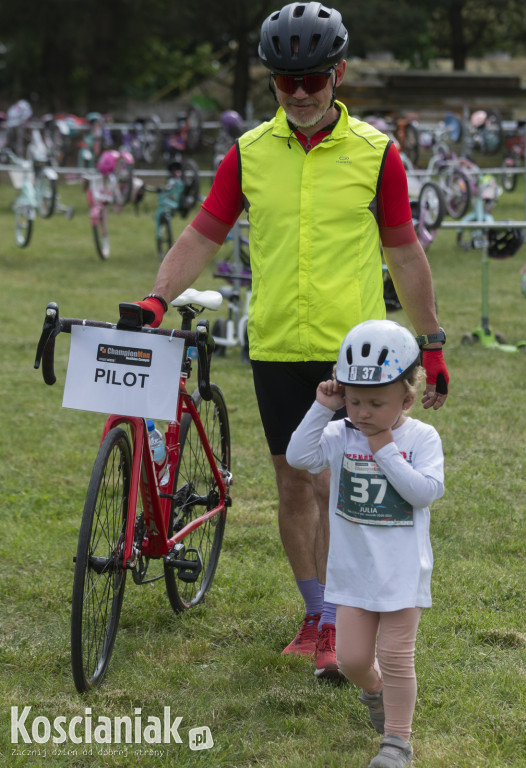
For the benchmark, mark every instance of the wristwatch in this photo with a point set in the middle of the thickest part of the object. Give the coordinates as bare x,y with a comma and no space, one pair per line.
159,298
431,338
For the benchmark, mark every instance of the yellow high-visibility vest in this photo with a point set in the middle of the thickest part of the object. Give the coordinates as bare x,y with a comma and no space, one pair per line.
314,239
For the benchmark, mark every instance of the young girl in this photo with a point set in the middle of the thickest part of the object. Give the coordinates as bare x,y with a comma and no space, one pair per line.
386,468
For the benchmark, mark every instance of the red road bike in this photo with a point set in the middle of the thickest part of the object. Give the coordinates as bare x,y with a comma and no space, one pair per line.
130,522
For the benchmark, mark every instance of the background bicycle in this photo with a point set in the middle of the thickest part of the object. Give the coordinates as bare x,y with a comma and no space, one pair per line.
143,139
178,196
112,185
138,512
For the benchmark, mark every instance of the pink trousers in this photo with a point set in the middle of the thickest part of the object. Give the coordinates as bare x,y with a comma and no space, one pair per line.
377,651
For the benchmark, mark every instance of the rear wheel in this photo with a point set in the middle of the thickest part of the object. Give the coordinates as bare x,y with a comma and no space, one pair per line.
124,173
151,145
219,332
190,193
100,578
164,237
100,235
23,226
195,491
46,190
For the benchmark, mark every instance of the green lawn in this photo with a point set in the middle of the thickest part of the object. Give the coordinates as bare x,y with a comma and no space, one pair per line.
220,665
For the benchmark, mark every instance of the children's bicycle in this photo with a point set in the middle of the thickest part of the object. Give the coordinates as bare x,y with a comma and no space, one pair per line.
112,185
179,195
132,519
37,188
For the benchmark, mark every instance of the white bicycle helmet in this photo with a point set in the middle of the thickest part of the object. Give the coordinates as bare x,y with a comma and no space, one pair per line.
375,353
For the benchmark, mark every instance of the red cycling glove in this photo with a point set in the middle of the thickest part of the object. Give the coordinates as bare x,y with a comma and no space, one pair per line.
153,309
436,371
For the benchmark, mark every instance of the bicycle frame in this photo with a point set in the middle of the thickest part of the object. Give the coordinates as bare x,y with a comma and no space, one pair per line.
156,505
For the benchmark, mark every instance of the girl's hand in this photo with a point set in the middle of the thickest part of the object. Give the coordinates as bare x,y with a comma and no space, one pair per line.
331,394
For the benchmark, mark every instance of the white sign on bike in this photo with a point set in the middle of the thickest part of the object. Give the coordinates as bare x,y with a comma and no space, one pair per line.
123,372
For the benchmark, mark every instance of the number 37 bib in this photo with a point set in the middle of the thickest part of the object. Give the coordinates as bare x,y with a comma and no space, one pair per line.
365,496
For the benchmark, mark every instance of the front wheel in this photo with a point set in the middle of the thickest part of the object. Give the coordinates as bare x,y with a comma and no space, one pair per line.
100,576
195,491
100,235
431,205
457,192
23,226
164,237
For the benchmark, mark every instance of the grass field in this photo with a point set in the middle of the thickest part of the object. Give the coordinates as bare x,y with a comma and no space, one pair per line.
220,665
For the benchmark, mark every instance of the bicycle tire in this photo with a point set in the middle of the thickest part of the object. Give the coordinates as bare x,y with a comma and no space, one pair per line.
190,193
509,180
412,143
431,205
194,479
151,145
99,580
194,123
124,173
101,236
46,190
219,332
164,239
23,226
457,192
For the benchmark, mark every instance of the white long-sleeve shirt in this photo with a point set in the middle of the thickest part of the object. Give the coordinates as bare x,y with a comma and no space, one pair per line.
380,556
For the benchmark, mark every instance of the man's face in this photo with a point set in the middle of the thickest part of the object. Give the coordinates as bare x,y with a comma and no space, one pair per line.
308,109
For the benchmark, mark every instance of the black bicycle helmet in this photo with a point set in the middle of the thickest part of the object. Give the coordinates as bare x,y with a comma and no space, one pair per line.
303,38
504,243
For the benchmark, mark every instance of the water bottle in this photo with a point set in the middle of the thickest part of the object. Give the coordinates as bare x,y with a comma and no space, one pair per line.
158,449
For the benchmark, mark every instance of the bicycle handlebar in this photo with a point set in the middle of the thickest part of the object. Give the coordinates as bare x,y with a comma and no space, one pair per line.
131,319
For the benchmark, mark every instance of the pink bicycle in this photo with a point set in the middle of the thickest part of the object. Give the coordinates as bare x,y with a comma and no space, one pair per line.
112,185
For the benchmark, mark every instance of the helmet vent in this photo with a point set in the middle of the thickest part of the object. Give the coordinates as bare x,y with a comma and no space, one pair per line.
338,44
349,355
276,44
382,356
299,10
323,13
314,42
366,349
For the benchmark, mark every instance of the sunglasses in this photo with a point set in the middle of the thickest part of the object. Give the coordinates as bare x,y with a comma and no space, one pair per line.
310,83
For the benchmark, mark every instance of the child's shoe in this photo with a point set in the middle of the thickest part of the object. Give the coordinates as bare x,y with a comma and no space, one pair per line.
394,753
375,702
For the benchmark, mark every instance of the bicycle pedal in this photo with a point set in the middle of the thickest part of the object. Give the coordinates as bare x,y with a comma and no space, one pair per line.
188,569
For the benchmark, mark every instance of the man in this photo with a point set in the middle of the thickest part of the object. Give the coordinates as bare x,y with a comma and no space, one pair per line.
321,191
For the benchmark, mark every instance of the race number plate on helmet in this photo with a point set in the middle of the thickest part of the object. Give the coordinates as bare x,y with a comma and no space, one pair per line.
363,373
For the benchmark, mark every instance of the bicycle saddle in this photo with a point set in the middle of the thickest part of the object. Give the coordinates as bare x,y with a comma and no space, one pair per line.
206,299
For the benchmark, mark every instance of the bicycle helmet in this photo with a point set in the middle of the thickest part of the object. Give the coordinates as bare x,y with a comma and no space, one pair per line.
375,353
106,162
504,243
302,38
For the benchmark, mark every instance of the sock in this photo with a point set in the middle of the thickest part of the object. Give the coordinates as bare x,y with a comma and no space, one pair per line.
328,614
312,597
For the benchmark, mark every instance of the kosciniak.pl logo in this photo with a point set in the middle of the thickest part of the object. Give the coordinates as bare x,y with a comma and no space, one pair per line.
87,729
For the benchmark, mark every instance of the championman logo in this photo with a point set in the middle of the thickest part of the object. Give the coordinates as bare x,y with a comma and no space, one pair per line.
104,730
125,355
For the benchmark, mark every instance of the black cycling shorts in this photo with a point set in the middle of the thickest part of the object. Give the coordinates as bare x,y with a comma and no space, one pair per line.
285,392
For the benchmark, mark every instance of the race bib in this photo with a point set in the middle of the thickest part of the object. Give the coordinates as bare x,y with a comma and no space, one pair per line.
365,496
